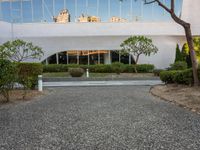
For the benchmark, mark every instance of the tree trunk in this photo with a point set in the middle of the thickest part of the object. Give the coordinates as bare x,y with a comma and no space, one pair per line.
189,38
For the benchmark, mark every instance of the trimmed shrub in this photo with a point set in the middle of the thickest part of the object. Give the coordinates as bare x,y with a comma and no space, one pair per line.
168,76
145,68
101,68
55,68
117,67
7,77
28,74
76,72
184,77
179,65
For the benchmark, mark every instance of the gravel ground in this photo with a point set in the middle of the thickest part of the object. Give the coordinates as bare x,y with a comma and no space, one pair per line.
89,118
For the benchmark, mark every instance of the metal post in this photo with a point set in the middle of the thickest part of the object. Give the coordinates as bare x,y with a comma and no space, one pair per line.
86,7
141,10
120,9
97,7
109,9
131,11
64,1
54,8
57,58
43,10
40,86
32,10
21,13
11,14
76,17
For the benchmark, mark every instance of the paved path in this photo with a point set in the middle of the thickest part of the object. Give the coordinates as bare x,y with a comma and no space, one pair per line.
90,118
101,83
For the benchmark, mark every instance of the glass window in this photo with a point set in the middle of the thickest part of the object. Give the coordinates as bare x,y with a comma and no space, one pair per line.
27,11
6,13
37,11
70,5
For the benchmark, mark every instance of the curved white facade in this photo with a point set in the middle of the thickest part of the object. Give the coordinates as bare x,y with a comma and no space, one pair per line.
55,38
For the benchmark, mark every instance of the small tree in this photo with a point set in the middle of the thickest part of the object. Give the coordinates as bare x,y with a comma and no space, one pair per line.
136,46
7,77
179,56
19,50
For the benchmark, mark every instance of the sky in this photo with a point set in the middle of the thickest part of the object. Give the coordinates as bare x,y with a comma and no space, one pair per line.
131,10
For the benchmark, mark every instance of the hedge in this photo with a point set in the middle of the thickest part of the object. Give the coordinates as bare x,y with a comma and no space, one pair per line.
101,68
180,77
28,73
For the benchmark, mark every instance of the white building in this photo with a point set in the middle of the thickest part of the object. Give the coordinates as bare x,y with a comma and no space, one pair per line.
96,38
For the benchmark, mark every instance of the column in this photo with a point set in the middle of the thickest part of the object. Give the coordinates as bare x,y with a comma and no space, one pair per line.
98,57
88,57
67,57
119,57
46,61
107,59
129,59
77,58
57,58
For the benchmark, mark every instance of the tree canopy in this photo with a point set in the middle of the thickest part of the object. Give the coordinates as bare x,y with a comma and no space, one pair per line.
138,45
19,50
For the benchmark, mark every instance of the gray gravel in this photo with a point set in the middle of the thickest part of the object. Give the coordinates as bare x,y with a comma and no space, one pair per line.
89,118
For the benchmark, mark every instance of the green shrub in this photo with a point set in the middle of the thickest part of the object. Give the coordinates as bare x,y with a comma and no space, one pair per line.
168,76
157,72
145,68
76,72
117,67
179,65
55,68
7,77
28,74
184,77
101,68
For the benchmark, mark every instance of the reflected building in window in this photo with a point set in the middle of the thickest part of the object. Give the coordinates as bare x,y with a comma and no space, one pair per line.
63,17
85,18
118,19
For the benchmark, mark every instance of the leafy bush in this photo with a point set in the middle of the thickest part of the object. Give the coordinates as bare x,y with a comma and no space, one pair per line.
117,67
76,72
145,68
184,77
101,68
179,65
168,76
7,77
157,72
28,74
